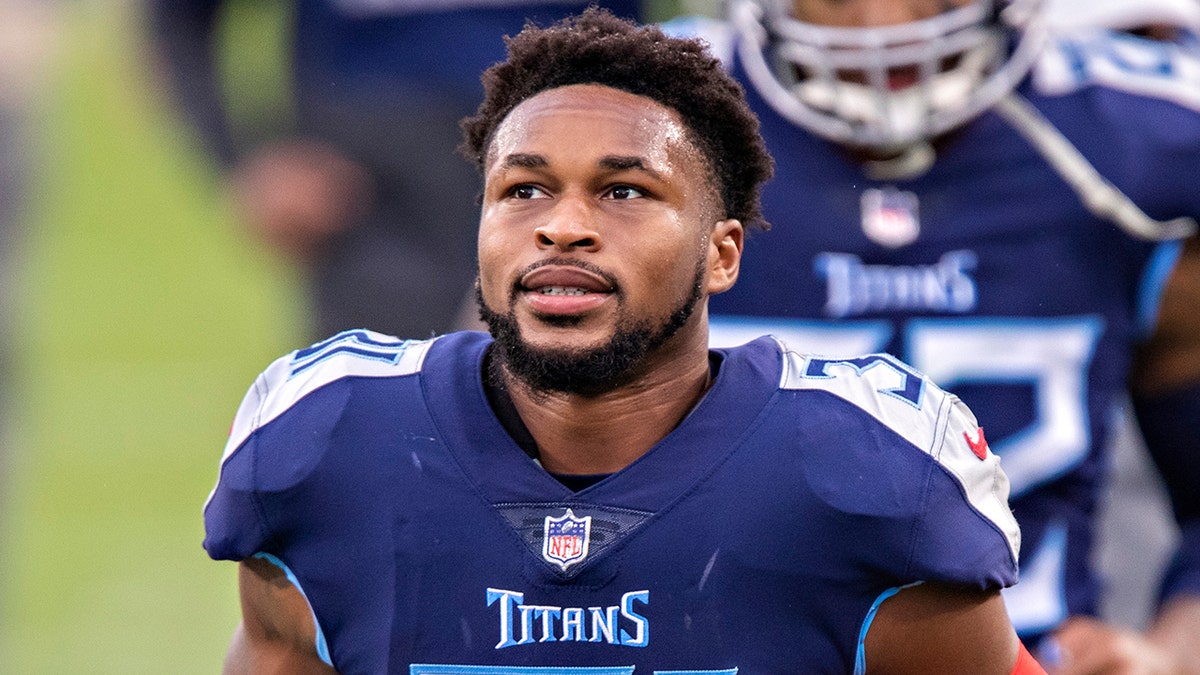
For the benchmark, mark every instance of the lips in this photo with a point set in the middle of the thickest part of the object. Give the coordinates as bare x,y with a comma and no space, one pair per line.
564,290
564,280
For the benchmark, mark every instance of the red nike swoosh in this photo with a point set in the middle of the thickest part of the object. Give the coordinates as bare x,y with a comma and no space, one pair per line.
979,445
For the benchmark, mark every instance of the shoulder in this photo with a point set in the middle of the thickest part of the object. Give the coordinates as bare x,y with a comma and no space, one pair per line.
936,423
1120,63
880,385
294,426
295,376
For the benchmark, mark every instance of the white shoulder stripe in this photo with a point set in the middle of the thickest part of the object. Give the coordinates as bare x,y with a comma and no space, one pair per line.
1154,69
922,413
351,354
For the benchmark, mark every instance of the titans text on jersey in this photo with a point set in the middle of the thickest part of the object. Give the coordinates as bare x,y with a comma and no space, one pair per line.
993,274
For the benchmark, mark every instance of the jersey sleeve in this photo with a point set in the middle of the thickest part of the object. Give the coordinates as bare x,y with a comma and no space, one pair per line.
918,478
235,527
277,476
1143,98
967,494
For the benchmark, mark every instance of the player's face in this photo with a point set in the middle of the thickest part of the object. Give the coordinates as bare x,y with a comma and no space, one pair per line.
870,13
598,236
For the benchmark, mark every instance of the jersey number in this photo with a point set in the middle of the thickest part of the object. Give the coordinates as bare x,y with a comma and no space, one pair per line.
1052,356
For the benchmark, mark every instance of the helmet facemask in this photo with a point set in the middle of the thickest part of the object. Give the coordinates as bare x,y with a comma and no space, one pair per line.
887,88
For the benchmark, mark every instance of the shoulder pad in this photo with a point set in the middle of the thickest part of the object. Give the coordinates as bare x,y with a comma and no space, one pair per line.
933,420
1122,62
358,353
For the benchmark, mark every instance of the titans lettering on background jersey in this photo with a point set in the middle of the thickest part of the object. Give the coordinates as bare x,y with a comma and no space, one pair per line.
766,528
990,274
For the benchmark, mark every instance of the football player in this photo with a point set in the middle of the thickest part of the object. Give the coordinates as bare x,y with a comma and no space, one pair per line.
1013,214
591,489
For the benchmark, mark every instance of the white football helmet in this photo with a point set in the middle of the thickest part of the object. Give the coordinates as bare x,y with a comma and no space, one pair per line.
893,87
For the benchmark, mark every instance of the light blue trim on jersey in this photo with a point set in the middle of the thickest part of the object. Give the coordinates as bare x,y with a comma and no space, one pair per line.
1154,281
322,646
449,669
860,652
360,343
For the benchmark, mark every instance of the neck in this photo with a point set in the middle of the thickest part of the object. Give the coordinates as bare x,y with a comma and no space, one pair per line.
603,434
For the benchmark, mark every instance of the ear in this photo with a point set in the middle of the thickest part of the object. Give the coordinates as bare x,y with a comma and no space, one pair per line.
724,255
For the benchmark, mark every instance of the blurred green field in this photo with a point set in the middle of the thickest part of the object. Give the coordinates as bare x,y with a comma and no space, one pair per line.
144,315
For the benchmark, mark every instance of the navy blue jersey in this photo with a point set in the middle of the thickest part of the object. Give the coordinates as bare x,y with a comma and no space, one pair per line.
989,274
757,537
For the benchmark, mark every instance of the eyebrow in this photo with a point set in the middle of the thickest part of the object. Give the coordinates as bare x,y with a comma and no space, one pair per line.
526,160
523,160
622,163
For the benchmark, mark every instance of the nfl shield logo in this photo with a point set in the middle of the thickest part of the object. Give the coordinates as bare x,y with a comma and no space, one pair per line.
566,540
889,216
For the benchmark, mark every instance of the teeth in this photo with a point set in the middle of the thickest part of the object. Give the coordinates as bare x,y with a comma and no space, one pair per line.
561,290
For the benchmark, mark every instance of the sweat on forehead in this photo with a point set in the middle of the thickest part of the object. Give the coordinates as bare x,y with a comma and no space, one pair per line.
651,123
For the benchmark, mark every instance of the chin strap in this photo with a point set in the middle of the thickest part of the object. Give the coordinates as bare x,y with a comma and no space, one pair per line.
1100,197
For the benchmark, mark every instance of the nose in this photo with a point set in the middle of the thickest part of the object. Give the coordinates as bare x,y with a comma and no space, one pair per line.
570,225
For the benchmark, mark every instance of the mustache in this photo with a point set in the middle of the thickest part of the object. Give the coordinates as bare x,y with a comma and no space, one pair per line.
567,262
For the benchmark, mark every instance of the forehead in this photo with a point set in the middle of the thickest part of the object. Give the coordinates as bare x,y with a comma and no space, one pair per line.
585,120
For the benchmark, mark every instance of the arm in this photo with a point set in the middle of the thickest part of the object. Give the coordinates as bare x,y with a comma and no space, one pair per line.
936,628
276,634
1166,388
1088,646
294,193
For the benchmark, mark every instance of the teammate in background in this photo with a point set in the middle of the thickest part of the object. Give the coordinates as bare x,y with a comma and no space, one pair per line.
1136,532
364,192
592,486
1004,214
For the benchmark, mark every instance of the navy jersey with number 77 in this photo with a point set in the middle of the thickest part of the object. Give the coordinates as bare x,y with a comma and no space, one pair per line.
757,537
990,274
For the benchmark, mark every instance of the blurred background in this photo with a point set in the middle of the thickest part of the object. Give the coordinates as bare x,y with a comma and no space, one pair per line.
141,315
135,310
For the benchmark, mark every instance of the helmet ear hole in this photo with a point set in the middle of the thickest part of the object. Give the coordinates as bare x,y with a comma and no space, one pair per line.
886,87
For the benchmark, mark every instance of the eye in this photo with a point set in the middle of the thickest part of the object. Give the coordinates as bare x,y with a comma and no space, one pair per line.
622,192
527,191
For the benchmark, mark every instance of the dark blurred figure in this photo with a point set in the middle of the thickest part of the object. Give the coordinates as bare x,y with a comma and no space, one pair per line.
1008,206
1137,533
27,32
365,193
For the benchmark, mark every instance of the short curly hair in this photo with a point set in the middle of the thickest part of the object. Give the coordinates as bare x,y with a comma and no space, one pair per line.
596,47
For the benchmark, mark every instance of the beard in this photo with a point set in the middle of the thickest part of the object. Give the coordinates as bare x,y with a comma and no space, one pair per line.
583,372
